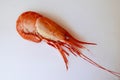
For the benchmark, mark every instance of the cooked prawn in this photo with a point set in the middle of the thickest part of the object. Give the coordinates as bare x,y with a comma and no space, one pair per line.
36,27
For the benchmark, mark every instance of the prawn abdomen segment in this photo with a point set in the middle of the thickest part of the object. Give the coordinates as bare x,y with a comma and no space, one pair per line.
26,28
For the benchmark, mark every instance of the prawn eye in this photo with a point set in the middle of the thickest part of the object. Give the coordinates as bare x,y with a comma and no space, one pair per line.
67,37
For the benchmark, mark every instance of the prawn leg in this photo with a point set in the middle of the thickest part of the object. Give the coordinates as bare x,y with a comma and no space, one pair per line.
63,55
61,50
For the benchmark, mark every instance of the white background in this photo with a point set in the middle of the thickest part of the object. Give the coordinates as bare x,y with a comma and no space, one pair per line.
92,20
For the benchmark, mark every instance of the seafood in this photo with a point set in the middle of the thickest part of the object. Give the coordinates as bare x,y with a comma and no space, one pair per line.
35,27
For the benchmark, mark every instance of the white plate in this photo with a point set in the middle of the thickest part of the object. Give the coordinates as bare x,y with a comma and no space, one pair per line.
94,20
